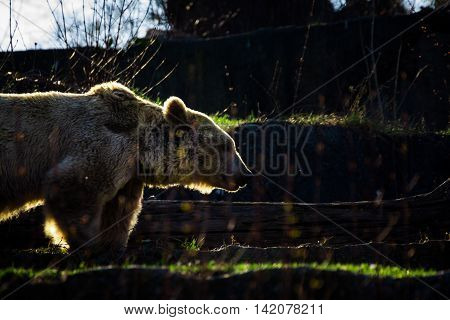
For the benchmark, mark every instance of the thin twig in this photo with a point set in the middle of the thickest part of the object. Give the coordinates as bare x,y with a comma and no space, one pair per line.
410,86
394,111
302,58
375,74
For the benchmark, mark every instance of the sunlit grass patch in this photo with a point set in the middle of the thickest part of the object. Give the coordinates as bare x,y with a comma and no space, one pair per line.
28,273
445,132
193,244
355,120
376,270
372,270
217,268
226,122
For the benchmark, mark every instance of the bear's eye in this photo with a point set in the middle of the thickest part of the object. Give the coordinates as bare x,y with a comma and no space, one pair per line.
180,133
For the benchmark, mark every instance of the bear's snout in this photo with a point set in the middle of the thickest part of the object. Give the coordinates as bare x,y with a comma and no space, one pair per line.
242,180
234,182
240,176
243,177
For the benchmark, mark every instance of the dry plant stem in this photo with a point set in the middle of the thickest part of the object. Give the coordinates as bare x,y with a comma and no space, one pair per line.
10,28
410,86
383,45
375,76
394,111
302,58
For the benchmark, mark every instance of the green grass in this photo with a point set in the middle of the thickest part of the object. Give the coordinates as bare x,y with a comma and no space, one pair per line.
372,270
226,122
28,273
445,132
192,245
356,120
208,269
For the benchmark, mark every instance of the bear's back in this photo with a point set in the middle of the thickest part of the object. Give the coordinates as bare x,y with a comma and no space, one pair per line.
37,131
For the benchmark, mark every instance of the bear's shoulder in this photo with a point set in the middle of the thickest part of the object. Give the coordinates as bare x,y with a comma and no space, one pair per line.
113,90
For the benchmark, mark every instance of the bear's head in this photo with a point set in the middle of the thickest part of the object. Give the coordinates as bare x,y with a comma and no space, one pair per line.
189,149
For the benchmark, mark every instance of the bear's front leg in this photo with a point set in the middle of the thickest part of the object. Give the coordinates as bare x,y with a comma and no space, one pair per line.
118,219
74,201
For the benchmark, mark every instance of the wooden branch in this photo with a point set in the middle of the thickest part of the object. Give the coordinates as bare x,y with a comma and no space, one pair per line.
398,221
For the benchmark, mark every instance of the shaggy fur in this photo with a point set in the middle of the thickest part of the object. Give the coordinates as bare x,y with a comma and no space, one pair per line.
87,157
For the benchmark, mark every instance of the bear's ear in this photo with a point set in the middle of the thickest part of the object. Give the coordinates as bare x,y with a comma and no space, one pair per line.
175,110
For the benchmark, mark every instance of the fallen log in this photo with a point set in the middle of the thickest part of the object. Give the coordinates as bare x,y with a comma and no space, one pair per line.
263,224
405,220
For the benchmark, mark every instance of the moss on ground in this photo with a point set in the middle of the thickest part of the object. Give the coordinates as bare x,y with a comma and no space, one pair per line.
355,120
372,270
215,268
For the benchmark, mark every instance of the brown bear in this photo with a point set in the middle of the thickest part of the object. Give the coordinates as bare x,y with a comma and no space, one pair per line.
87,157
